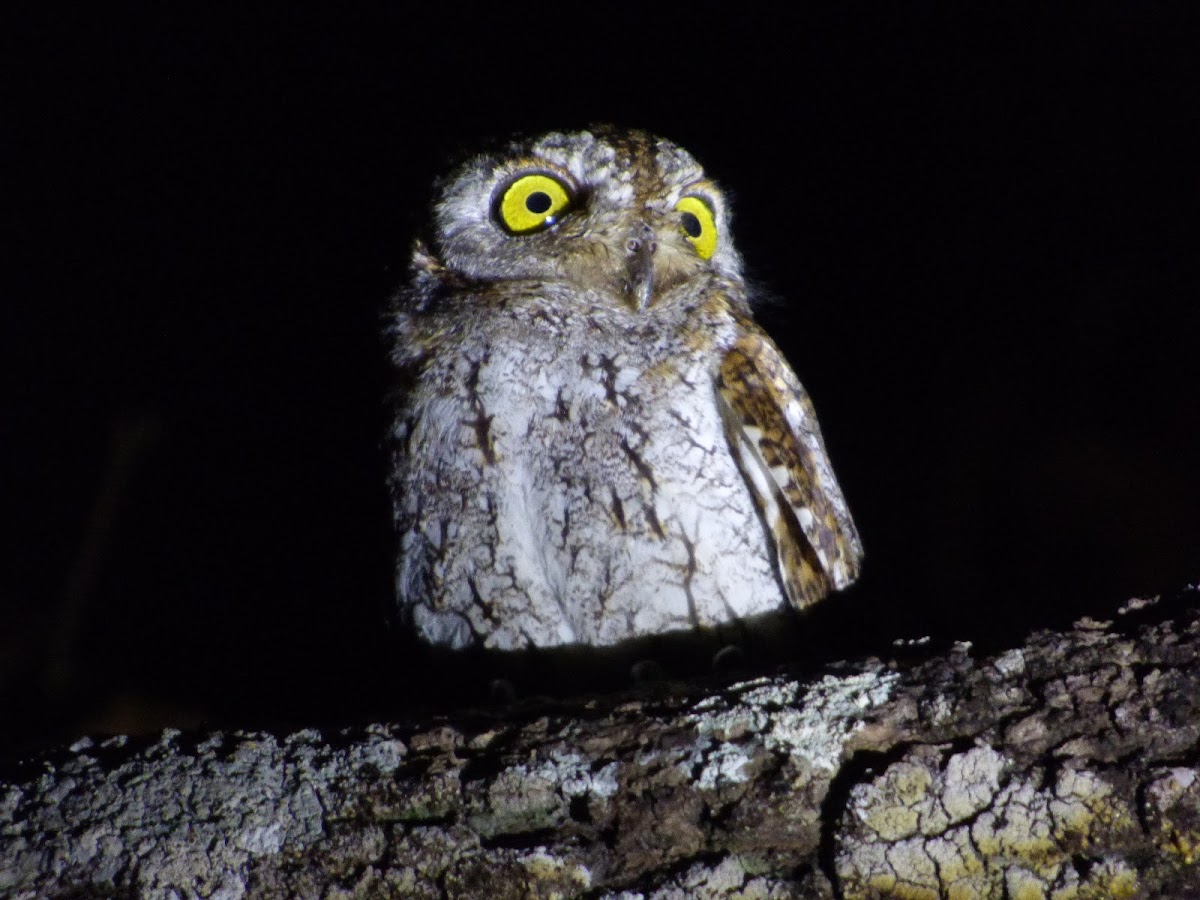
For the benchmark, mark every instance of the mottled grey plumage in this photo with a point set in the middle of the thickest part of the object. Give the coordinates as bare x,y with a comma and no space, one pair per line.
593,439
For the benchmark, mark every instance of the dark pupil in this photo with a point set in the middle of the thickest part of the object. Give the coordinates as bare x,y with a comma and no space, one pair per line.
691,225
537,202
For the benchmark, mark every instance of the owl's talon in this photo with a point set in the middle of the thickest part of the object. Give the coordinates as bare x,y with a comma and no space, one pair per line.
646,670
729,658
502,692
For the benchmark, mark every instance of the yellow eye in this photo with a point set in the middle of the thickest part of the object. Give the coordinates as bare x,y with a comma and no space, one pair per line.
698,224
532,203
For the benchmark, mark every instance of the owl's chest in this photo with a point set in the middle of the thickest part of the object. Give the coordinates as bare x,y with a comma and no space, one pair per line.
580,479
591,401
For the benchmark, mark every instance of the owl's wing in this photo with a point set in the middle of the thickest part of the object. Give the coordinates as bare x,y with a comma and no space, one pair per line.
772,429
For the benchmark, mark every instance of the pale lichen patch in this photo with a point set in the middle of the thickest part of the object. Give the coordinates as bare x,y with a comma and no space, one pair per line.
726,764
924,828
972,780
1173,802
1110,879
809,728
543,866
1011,663
728,879
536,794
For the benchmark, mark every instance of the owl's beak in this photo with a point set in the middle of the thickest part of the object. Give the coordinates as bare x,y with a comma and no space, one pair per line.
640,247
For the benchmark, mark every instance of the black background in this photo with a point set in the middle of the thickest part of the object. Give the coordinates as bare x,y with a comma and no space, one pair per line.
975,234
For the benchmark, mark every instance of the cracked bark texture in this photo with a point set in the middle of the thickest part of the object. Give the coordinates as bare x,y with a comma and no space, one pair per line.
1065,768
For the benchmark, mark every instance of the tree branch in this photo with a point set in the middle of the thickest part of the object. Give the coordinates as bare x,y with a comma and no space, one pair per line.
1068,767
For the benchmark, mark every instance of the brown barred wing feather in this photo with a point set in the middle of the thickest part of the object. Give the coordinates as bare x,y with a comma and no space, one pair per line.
772,429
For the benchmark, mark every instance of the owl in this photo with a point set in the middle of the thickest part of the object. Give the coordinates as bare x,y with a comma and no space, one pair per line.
593,439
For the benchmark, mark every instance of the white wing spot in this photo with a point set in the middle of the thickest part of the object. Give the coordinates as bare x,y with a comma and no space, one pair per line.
795,415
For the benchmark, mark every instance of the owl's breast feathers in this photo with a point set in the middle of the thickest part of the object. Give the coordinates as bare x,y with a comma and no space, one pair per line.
773,432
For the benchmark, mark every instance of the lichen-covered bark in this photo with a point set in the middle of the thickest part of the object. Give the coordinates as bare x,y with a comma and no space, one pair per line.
1067,768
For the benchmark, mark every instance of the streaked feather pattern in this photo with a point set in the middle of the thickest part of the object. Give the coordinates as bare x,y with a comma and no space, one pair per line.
772,429
594,444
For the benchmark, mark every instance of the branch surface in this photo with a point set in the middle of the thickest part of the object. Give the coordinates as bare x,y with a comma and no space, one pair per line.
1065,768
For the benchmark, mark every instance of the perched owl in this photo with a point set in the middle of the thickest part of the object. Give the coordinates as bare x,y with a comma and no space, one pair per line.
594,441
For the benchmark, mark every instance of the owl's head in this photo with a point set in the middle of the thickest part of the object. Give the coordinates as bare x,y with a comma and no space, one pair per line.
621,213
